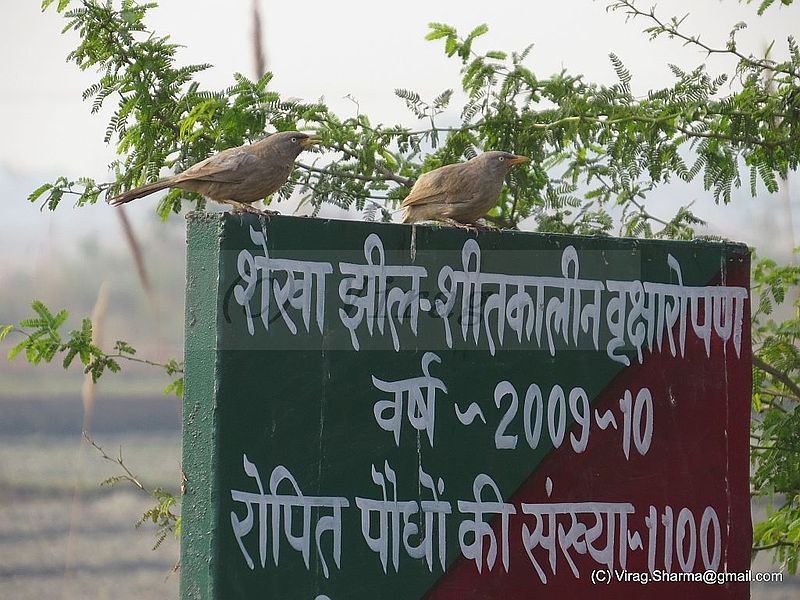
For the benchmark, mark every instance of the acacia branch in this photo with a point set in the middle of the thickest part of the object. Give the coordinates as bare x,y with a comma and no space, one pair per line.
348,175
636,203
777,374
771,404
406,181
431,130
774,447
775,545
144,361
728,138
607,120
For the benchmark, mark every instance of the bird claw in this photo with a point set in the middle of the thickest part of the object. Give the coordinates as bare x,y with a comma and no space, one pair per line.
466,226
486,226
241,207
266,214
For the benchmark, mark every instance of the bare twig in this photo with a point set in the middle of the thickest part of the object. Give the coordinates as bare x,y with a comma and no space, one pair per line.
129,475
259,59
144,361
136,250
672,30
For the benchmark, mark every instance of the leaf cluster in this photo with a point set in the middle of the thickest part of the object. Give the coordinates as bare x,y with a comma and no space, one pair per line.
44,340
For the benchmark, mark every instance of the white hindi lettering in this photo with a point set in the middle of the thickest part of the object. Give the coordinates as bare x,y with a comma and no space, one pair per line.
421,403
569,308
304,282
630,318
525,314
365,292
575,534
657,308
551,312
479,530
552,536
610,518
395,522
274,505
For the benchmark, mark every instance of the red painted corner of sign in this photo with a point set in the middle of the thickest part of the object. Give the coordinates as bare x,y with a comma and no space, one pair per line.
691,463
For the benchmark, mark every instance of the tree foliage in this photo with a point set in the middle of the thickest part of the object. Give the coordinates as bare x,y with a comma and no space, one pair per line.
43,340
596,152
775,451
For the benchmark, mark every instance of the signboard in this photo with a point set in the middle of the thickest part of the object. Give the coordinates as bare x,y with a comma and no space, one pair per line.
392,411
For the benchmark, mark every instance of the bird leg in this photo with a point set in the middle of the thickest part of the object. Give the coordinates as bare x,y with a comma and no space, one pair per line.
241,207
486,226
454,223
267,212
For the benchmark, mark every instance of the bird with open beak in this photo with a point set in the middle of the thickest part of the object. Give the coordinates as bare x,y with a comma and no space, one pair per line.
461,193
237,176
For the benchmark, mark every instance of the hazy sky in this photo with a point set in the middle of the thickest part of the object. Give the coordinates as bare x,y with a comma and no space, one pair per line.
332,49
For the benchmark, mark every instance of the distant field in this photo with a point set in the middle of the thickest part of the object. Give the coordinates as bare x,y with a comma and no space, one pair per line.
62,536
52,548
63,416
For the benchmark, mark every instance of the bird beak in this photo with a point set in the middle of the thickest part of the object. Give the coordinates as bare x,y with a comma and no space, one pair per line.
519,160
310,140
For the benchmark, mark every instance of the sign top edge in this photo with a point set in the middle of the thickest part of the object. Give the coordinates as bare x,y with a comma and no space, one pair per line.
228,218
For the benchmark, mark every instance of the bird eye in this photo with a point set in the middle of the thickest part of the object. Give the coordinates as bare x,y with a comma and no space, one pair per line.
294,140
501,158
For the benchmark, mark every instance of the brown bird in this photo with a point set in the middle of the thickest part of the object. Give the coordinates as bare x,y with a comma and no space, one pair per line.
462,193
236,176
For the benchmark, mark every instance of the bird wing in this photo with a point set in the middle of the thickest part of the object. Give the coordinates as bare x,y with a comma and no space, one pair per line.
436,185
229,166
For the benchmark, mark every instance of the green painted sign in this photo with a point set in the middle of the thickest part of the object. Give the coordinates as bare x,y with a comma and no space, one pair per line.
395,411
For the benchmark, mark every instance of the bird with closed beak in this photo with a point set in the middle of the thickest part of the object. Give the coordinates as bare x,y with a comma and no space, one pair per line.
237,176
461,193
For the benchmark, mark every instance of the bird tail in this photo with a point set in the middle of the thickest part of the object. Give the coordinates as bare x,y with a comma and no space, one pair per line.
141,191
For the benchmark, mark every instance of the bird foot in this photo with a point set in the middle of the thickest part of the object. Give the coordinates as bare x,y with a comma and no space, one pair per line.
267,212
486,226
241,207
459,225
